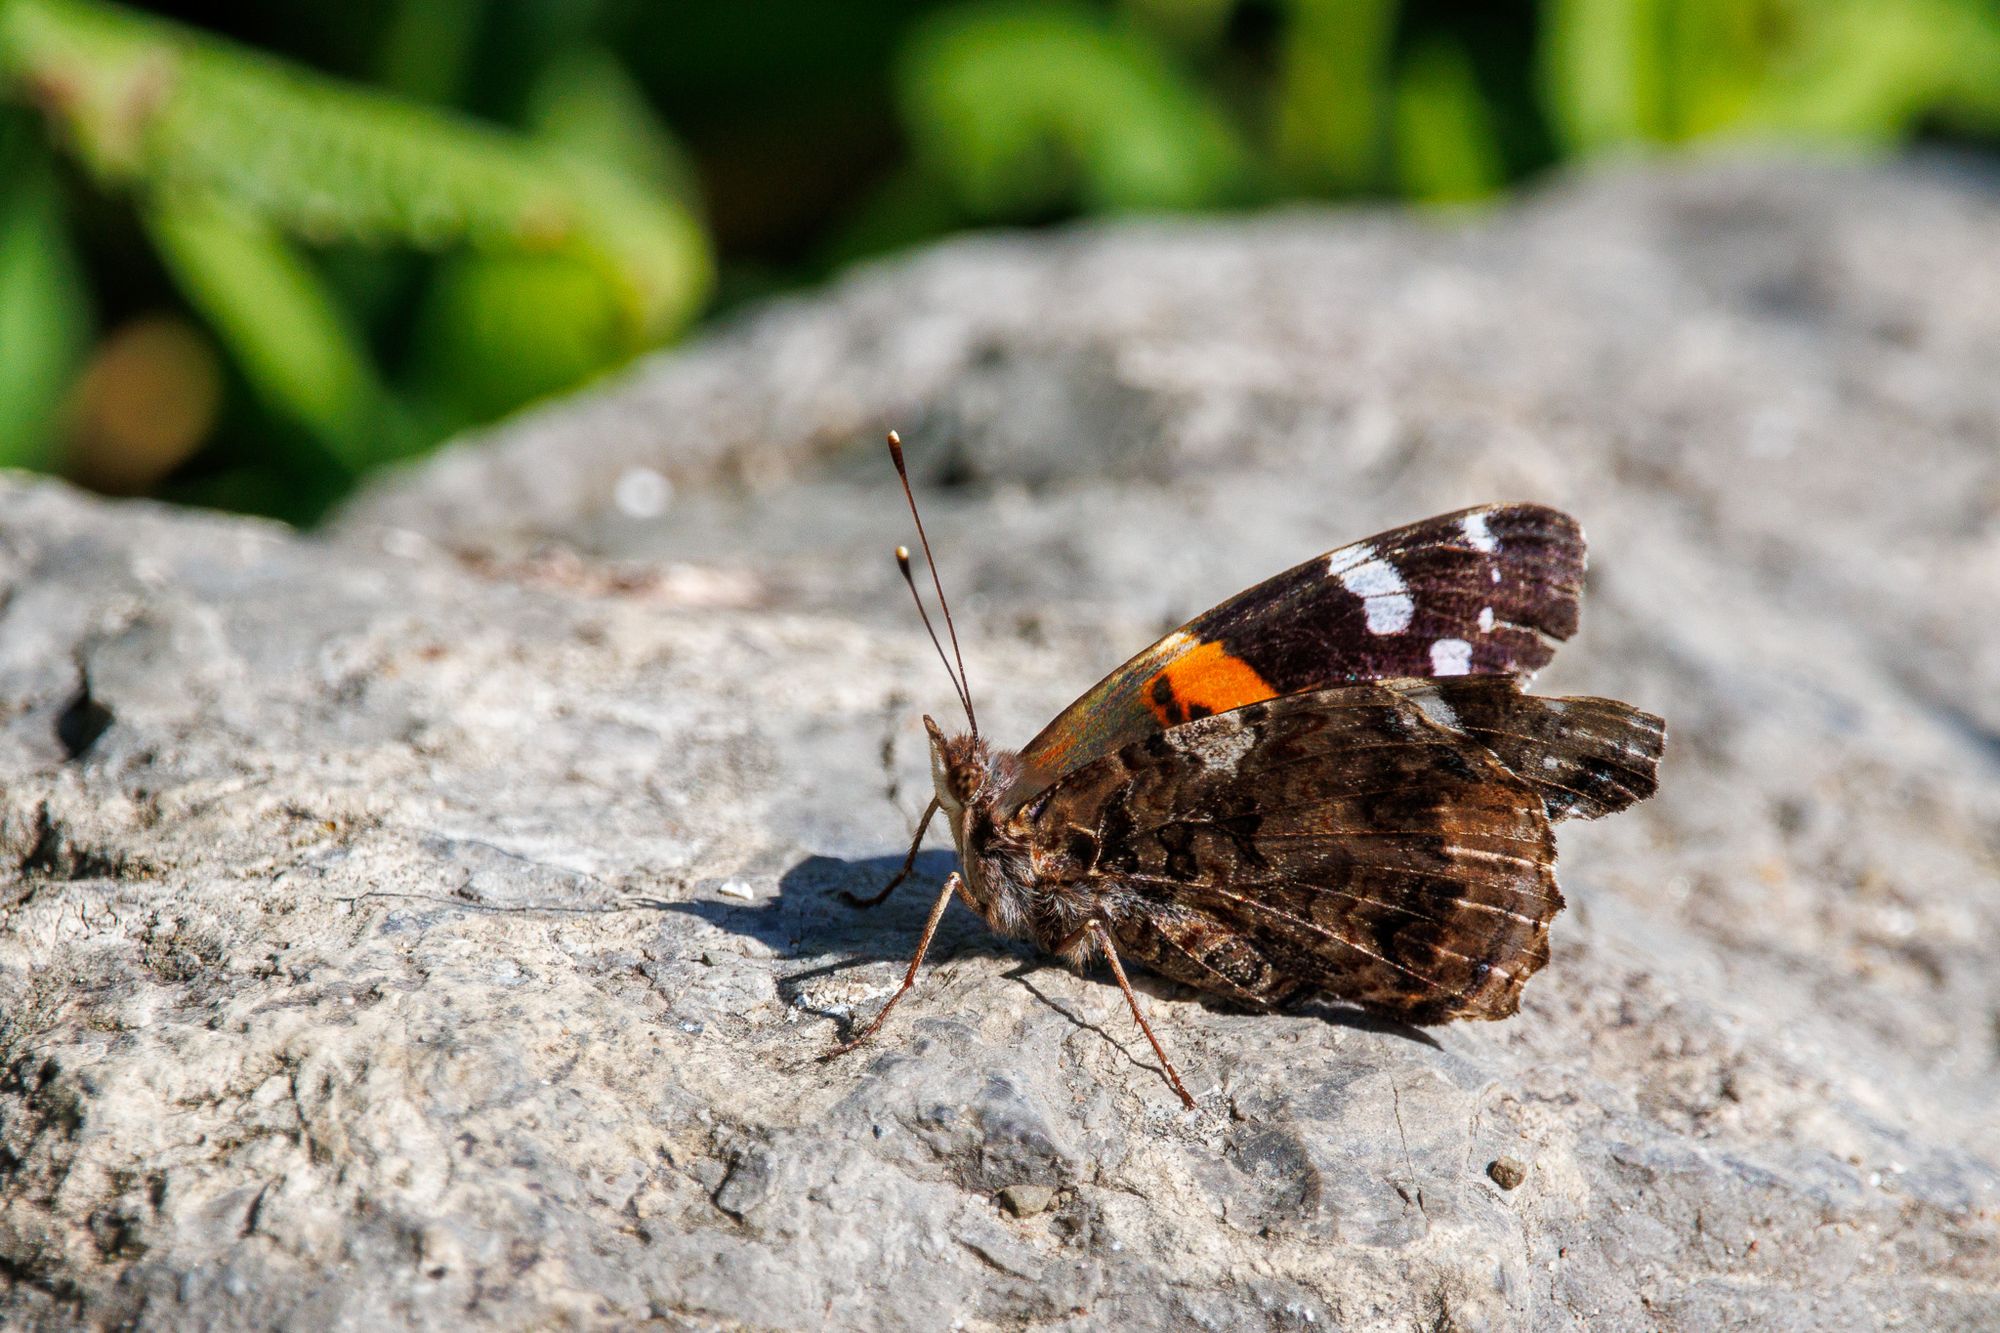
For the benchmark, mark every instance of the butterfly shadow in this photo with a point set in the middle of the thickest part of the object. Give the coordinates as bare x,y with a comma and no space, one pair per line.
809,918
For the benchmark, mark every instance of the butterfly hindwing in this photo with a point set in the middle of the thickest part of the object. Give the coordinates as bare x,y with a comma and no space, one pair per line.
1362,842
1584,757
1480,592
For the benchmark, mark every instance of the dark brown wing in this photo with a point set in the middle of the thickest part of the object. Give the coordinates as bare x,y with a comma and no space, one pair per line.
1584,757
1373,843
1483,591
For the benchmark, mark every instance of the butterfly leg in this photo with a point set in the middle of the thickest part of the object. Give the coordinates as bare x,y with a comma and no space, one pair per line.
909,862
951,886
1096,931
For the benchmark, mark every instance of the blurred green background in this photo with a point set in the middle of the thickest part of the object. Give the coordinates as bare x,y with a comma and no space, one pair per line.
248,253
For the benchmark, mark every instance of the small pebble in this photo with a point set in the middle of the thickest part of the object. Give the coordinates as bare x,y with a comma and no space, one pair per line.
1026,1200
1506,1172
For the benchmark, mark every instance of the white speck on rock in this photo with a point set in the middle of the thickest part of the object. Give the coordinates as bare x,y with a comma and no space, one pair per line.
640,492
405,544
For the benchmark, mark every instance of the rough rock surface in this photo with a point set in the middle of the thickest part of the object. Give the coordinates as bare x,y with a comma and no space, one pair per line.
433,921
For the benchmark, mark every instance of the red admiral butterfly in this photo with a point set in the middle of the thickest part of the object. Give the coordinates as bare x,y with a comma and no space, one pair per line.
1329,785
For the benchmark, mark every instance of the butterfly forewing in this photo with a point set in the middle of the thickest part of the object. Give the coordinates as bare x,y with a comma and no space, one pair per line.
1480,592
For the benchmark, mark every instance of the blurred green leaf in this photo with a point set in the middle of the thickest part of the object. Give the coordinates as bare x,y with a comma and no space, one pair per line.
1605,71
1333,94
1447,150
1715,58
1854,71
910,207
1969,92
1870,70
44,312
276,317
1188,24
498,331
1024,109
585,105
150,104
428,48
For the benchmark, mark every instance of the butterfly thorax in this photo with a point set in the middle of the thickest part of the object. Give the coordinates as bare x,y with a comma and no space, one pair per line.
971,777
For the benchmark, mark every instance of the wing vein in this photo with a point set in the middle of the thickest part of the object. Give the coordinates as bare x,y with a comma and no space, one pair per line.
1315,928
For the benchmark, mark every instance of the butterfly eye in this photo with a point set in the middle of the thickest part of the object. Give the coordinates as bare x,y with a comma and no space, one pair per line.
964,783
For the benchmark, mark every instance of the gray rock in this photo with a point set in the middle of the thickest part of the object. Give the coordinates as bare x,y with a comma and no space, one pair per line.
440,926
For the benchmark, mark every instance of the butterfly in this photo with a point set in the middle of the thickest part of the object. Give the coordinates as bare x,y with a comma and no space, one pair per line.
1332,785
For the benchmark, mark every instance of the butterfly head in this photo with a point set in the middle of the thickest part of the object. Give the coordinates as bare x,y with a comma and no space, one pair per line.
960,769
970,777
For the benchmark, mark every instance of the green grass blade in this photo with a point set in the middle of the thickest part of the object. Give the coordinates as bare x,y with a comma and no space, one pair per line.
44,316
1447,149
1605,72
1331,132
1027,108
277,318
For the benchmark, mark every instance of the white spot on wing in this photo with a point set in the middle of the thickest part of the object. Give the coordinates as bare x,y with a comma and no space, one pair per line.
1384,596
1485,620
1377,578
1451,657
1347,557
1479,534
1389,615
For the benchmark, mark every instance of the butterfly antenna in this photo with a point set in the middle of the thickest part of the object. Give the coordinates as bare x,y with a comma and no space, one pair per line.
903,559
903,563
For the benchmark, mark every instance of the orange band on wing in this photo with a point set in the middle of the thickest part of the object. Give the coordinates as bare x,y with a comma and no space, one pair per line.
1204,680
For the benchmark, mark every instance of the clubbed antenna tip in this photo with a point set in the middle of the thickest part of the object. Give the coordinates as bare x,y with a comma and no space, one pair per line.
903,562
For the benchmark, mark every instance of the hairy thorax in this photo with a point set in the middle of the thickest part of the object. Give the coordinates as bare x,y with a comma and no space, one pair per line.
1001,881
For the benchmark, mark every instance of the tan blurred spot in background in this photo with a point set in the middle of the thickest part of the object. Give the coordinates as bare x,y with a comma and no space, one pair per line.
147,400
